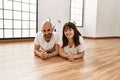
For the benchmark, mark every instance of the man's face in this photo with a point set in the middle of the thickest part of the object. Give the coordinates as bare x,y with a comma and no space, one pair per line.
47,31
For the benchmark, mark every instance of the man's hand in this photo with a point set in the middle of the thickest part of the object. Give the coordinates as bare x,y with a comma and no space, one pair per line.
43,54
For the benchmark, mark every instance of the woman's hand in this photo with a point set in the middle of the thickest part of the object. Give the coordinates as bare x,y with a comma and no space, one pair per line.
71,57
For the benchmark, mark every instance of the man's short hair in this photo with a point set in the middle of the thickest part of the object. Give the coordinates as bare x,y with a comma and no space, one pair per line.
46,21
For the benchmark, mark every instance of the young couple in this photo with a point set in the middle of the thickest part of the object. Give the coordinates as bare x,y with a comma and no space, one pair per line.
48,44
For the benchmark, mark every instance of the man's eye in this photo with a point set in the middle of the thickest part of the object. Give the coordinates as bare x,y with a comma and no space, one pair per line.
44,31
48,30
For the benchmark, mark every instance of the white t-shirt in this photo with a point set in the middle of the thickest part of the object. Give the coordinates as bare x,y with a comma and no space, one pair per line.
47,46
73,49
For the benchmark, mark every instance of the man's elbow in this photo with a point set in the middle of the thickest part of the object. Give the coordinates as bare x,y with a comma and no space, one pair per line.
35,52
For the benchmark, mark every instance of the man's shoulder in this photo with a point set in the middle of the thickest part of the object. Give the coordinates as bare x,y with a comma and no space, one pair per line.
55,34
39,34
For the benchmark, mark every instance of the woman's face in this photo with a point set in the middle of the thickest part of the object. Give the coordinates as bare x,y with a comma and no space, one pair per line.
69,32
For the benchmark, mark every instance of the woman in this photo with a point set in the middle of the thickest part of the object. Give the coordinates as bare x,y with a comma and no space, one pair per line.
72,45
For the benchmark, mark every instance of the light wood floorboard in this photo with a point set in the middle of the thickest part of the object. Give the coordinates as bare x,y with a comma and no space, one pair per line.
101,62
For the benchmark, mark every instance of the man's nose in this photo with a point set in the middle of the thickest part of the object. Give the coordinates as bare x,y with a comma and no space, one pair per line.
46,32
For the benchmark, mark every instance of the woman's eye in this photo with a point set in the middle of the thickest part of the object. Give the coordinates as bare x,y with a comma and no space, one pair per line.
70,29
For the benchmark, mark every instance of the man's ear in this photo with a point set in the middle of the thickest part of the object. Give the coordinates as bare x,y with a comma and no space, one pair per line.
52,29
42,31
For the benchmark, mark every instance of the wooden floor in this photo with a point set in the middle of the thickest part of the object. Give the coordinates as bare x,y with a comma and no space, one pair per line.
101,62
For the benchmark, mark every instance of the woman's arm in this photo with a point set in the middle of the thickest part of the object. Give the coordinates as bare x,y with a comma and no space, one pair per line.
79,55
61,53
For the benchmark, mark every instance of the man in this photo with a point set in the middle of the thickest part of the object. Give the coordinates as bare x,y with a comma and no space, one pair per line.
46,42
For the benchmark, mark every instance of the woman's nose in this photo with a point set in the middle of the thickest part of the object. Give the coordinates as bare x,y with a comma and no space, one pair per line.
67,31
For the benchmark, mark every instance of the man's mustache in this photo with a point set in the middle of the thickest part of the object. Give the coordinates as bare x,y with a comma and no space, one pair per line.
47,35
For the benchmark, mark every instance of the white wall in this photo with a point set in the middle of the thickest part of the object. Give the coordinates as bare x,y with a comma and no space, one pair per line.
56,10
90,13
101,17
117,31
106,18
60,9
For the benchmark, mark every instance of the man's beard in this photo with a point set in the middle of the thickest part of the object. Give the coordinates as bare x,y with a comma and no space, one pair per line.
48,36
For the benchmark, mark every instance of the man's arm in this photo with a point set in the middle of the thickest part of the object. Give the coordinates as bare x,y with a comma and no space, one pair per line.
36,50
54,53
40,53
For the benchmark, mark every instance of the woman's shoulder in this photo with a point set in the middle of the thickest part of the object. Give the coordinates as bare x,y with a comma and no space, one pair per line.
60,42
80,37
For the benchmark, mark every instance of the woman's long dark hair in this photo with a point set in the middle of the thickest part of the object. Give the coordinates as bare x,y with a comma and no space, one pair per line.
75,37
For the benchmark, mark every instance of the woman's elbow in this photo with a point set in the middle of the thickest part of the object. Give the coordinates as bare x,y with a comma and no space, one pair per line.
82,54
